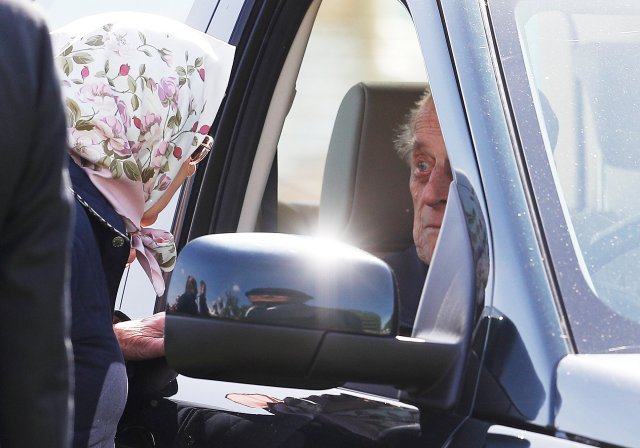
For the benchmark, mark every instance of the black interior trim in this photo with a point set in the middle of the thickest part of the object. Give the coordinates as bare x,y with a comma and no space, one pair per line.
223,186
212,201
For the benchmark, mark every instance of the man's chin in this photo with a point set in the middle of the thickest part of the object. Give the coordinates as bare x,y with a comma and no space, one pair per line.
424,254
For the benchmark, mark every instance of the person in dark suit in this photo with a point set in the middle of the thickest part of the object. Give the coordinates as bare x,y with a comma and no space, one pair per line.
35,209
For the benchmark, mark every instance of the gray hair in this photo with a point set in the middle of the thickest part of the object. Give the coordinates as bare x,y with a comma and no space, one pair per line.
405,140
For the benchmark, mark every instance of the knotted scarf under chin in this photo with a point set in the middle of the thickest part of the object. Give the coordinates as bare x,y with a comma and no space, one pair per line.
156,253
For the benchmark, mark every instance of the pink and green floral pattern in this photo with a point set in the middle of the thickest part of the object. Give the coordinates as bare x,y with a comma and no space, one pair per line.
140,93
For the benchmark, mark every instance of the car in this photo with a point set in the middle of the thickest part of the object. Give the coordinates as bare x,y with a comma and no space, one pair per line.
528,327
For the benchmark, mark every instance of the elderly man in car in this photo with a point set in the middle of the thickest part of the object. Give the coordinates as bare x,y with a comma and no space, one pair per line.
421,145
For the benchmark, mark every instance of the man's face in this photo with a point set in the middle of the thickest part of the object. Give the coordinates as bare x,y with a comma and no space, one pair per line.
430,179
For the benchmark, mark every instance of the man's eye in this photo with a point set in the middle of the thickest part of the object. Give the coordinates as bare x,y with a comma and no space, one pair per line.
422,166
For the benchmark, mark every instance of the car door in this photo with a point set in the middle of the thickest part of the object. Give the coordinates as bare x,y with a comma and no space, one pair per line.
557,329
233,203
225,196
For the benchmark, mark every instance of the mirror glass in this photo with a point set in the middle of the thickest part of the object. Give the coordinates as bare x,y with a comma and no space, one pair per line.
284,280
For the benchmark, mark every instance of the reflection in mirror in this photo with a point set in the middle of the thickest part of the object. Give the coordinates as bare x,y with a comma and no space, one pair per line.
284,280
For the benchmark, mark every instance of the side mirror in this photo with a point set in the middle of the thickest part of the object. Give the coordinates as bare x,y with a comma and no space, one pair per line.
295,311
284,280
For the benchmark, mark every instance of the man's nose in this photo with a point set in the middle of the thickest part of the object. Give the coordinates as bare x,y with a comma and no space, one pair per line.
437,189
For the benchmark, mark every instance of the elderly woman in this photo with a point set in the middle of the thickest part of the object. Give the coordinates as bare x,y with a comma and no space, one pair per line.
140,95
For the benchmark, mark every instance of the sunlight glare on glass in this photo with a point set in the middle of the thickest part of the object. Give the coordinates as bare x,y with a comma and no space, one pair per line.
326,249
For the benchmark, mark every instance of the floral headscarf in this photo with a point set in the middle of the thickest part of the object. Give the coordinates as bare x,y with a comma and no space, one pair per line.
140,92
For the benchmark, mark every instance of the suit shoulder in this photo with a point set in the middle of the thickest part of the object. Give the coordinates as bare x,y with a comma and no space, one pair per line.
18,16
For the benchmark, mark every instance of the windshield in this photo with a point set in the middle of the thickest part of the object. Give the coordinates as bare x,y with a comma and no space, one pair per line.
580,60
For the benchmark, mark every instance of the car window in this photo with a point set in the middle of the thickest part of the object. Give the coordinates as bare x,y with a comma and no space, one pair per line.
580,64
351,42
368,44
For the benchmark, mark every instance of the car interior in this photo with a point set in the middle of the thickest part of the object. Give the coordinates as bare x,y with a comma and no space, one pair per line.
365,201
365,196
363,191
364,180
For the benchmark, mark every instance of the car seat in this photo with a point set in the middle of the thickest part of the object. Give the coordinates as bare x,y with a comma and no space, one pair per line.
365,197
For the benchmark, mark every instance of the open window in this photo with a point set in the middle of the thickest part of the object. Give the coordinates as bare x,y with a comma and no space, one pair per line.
378,47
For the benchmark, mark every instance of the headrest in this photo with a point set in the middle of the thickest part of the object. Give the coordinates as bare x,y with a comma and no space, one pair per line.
365,196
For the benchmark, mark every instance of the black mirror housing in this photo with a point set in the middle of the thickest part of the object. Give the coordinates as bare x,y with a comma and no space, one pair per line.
325,314
284,280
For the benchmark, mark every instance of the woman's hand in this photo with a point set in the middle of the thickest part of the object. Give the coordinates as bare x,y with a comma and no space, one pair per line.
141,339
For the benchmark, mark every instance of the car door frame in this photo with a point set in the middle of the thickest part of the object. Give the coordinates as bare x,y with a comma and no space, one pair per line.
210,202
521,305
